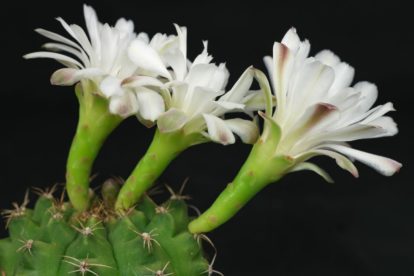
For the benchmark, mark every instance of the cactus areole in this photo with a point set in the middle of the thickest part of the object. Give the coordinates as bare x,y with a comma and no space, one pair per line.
310,109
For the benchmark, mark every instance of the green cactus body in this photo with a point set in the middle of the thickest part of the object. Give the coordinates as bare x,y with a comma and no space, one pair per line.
54,239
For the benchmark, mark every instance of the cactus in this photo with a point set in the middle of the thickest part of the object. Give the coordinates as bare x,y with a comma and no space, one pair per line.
53,239
119,74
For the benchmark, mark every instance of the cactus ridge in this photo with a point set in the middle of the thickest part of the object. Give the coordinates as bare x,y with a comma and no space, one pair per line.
53,239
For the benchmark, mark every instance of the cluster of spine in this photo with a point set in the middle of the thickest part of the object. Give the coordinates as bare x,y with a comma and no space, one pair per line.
53,239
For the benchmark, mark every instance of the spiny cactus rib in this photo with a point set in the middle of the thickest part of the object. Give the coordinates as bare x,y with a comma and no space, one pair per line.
142,241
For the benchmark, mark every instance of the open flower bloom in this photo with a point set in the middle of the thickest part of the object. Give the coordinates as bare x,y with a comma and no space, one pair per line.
318,110
194,93
100,55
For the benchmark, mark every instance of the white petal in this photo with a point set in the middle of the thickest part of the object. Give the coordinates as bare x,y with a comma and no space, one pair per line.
328,57
369,94
111,86
137,81
144,37
70,76
83,40
268,61
124,105
283,65
208,76
310,87
57,37
147,58
62,47
291,40
218,130
265,87
204,57
314,119
230,105
383,165
377,112
199,101
387,124
341,160
240,88
124,26
67,27
248,131
344,74
178,63
65,60
151,104
172,120
256,101
64,76
182,37
312,167
92,25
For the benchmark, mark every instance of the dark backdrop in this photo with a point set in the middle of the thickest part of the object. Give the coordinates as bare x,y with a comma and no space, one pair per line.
299,226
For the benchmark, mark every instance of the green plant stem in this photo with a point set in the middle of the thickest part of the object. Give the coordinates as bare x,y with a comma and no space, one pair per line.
163,149
94,125
260,169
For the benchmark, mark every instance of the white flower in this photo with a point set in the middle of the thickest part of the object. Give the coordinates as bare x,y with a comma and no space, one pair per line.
100,55
318,111
194,93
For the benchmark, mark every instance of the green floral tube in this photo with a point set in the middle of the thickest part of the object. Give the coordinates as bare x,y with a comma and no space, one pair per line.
94,126
163,149
258,171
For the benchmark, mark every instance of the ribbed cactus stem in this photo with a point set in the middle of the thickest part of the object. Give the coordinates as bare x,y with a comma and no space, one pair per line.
163,149
94,126
260,169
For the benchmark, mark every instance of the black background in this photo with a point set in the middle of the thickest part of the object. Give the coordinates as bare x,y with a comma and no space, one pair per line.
298,226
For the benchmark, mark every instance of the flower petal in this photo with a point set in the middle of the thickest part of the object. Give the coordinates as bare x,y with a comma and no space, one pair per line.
57,37
208,76
92,24
218,130
328,57
137,81
344,74
111,86
151,104
70,76
369,94
248,131
341,160
204,57
182,37
62,47
124,26
265,87
383,165
147,58
256,100
309,88
230,105
291,39
312,167
65,60
172,120
240,88
178,63
377,112
124,105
